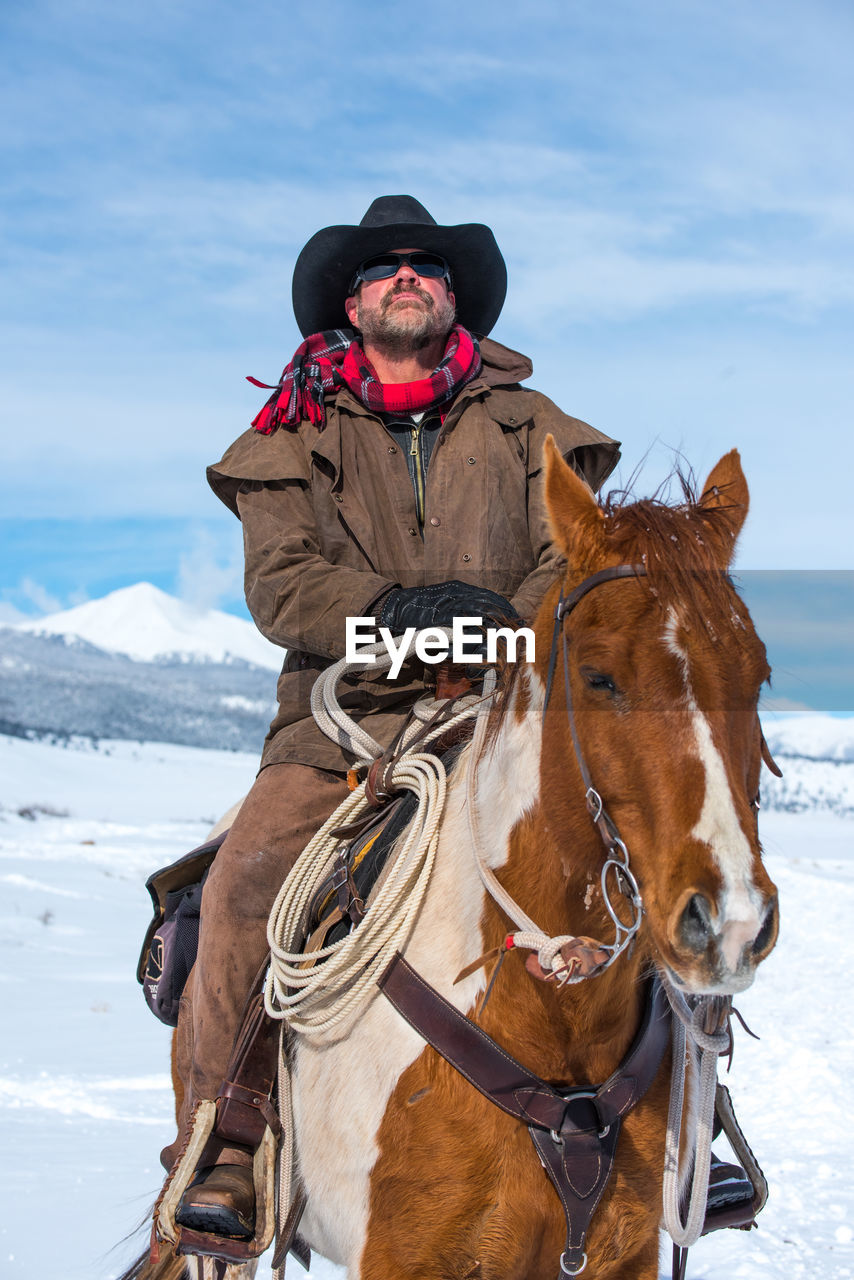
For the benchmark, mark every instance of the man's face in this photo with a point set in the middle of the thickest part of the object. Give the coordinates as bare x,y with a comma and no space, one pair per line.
404,312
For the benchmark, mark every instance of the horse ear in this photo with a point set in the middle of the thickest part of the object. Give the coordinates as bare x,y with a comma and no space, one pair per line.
726,492
574,514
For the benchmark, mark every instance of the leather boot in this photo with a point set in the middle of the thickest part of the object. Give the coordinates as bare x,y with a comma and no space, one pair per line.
221,1201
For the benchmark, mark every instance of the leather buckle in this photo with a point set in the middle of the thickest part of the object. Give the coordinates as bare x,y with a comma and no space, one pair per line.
569,1271
589,1121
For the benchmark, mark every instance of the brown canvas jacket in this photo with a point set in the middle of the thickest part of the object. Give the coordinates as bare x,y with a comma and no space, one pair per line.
329,525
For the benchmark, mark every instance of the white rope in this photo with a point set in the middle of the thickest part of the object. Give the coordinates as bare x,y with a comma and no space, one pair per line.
333,720
491,883
320,998
328,714
287,1149
688,1025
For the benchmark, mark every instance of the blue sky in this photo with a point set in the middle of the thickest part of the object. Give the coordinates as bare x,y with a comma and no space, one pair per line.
671,184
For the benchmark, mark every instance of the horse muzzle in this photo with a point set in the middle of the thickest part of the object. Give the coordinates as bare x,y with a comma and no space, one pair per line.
717,951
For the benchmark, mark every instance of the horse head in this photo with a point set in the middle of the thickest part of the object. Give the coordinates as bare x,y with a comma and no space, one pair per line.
663,670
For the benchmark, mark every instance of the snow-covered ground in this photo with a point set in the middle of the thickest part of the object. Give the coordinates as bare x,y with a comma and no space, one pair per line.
85,1102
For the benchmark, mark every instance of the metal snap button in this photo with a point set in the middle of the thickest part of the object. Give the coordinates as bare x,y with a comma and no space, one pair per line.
434,520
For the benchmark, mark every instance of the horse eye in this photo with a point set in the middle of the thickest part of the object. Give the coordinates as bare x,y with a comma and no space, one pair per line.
601,683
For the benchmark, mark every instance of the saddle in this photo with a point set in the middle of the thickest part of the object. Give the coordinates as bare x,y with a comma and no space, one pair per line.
340,903
172,938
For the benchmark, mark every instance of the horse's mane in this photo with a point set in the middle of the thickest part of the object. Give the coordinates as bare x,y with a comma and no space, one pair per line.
678,543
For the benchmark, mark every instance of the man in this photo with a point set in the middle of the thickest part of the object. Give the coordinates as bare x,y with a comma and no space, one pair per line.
394,473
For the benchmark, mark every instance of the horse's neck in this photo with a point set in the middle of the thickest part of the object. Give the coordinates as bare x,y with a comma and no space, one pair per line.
552,871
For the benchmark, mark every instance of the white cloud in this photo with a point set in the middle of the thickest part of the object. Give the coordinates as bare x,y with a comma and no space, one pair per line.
37,595
28,599
9,614
205,578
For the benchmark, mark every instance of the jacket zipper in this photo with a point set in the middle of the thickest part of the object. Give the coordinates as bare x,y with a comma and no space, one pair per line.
418,470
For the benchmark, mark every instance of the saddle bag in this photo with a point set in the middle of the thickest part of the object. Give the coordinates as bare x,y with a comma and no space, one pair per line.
172,938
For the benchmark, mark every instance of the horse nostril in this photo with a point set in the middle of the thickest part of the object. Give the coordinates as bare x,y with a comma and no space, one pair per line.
768,933
695,926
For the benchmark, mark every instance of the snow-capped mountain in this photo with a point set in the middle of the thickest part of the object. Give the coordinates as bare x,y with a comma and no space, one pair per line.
141,665
144,623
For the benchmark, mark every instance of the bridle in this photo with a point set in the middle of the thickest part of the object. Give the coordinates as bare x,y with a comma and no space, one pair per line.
564,607
617,859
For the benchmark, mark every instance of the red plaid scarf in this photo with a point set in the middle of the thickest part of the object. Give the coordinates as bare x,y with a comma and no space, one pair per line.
327,361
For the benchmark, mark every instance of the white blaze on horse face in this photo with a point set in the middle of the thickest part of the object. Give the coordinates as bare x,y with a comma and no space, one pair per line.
739,910
364,1067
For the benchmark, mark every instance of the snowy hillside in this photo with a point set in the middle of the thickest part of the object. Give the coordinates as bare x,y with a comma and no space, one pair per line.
85,1099
144,623
816,755
52,686
812,735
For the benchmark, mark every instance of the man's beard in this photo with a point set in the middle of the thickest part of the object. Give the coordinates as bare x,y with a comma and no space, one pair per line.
401,330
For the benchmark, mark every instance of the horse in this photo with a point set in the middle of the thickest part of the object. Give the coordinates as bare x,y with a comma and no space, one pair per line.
645,692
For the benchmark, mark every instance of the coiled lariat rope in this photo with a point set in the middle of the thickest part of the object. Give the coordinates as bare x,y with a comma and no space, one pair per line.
319,999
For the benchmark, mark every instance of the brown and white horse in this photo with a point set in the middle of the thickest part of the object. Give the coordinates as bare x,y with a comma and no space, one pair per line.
409,1171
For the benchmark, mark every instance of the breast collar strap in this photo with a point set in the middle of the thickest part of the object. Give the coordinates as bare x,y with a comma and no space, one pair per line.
574,1131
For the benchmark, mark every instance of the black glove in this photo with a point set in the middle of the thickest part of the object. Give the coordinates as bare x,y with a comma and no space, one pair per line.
438,605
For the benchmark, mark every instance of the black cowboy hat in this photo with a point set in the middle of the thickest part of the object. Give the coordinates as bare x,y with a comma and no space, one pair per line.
324,269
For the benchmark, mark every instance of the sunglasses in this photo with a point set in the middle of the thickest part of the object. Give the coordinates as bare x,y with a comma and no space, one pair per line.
431,266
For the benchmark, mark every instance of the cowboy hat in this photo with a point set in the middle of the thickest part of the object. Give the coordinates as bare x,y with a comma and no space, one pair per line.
324,269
